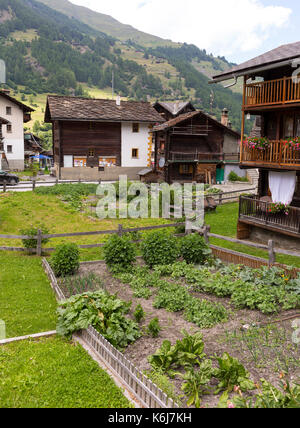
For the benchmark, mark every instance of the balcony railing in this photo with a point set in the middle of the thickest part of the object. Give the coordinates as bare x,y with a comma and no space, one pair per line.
277,154
201,130
272,92
198,157
253,210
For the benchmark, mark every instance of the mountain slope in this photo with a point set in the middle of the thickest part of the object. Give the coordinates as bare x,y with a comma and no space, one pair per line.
47,52
106,23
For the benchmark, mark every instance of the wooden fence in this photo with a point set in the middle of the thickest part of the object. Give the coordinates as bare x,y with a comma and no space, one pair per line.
270,248
147,393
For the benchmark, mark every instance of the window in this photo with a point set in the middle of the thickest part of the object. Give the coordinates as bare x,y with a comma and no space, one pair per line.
135,153
9,149
135,128
91,153
8,111
9,128
186,169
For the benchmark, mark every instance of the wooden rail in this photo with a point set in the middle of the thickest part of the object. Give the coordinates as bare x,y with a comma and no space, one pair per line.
258,212
198,157
202,130
272,92
278,154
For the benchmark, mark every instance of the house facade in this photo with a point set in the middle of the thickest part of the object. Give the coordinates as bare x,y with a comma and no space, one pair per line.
16,113
100,139
272,95
3,160
195,147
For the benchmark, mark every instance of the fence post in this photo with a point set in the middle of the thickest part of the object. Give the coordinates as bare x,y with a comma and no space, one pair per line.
33,184
120,230
272,254
39,243
56,181
4,186
206,231
220,198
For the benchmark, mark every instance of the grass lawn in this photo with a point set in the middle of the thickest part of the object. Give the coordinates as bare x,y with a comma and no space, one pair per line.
53,373
27,303
224,222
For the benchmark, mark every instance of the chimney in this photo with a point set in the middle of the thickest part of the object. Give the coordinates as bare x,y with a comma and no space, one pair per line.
224,118
229,124
118,101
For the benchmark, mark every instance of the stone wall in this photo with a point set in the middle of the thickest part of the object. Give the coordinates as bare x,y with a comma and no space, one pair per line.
260,235
93,174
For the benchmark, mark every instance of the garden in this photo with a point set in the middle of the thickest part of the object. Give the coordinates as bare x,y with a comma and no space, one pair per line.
208,334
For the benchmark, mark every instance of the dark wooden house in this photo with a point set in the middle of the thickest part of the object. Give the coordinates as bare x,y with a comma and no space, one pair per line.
170,110
272,94
95,139
194,147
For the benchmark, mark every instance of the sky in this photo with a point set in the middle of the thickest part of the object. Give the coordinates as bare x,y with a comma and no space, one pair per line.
236,29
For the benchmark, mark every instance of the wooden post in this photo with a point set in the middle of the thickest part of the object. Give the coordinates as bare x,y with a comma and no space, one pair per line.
56,181
272,254
120,232
33,184
243,119
4,186
39,243
206,231
220,198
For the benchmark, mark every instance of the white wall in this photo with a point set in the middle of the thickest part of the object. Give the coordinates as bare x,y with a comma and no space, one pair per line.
16,137
139,140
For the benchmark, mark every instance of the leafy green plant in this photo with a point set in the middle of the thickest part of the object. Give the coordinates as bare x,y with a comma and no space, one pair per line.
194,250
163,382
119,253
139,314
171,297
104,312
232,373
204,313
190,349
154,328
79,284
159,248
65,260
195,382
32,232
165,357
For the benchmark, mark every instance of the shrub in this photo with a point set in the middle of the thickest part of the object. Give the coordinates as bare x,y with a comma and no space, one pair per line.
65,260
234,177
194,250
160,248
154,328
119,253
33,231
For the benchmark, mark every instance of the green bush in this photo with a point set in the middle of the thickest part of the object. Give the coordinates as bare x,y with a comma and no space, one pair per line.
33,231
194,250
139,314
119,253
160,248
234,177
65,260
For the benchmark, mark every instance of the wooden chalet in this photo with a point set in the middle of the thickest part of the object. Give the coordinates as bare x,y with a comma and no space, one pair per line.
272,95
195,147
95,138
170,110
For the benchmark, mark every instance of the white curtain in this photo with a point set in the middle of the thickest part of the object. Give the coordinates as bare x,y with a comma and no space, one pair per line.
282,186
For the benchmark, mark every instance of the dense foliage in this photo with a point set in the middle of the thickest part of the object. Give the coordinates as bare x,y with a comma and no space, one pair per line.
119,253
32,232
159,248
65,260
194,250
104,312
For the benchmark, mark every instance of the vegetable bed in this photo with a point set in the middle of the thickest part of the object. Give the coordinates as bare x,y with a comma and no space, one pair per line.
234,308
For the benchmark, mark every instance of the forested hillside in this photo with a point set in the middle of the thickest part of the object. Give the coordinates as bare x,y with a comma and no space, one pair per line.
48,52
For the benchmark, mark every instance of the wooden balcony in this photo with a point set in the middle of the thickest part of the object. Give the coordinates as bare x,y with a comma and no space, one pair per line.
202,157
201,130
272,93
277,155
256,212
